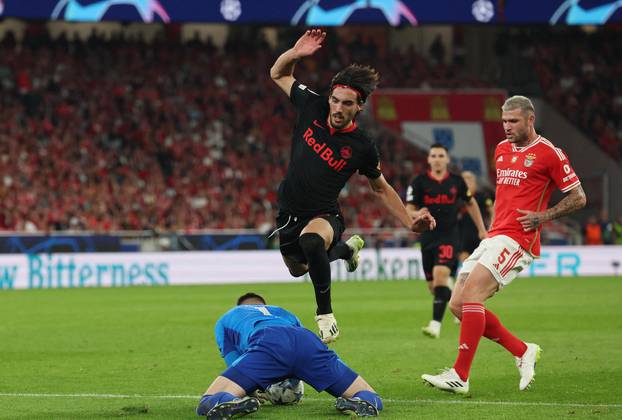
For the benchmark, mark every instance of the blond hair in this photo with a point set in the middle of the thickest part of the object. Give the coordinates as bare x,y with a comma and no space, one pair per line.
518,102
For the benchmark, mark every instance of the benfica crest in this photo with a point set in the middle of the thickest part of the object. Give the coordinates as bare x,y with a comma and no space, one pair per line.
529,159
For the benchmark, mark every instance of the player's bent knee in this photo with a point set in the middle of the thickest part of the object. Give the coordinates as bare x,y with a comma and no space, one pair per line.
224,383
440,276
298,271
456,309
478,292
311,244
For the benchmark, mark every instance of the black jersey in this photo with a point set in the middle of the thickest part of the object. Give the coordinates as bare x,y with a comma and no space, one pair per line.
466,224
441,199
322,159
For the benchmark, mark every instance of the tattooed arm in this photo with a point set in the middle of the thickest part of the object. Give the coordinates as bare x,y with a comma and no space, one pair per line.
574,200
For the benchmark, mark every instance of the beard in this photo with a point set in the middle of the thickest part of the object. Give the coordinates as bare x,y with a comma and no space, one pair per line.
339,120
518,138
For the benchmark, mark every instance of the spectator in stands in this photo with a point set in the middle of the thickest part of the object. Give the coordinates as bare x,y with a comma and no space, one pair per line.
592,232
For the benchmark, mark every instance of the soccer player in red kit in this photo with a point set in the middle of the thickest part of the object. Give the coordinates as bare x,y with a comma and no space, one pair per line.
528,168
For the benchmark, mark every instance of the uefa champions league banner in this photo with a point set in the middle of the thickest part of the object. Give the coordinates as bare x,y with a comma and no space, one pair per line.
44,271
293,12
322,12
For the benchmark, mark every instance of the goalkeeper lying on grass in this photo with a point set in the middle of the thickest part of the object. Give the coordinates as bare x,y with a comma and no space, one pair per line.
263,345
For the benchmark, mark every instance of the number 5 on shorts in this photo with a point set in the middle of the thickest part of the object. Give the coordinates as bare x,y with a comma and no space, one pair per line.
502,257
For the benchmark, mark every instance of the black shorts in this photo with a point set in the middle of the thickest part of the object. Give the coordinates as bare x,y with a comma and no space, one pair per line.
440,252
468,242
289,228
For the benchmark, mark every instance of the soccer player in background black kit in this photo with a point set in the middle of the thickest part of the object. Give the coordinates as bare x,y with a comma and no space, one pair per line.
438,191
469,237
327,149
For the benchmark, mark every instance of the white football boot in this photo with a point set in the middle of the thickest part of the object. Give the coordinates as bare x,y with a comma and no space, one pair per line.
527,365
327,326
432,330
448,380
356,243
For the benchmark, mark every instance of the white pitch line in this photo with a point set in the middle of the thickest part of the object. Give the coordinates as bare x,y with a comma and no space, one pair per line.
389,400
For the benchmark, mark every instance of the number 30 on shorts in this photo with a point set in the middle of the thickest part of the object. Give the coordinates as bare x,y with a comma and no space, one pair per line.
446,252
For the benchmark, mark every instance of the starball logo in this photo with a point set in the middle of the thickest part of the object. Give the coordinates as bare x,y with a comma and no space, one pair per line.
326,153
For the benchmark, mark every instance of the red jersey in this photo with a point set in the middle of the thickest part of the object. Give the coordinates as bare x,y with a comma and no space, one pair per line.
526,177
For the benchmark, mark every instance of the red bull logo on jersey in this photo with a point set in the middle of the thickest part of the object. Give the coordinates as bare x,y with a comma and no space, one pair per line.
326,153
438,199
510,176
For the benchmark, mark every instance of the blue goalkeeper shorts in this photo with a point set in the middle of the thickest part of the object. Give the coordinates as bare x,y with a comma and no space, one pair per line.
282,352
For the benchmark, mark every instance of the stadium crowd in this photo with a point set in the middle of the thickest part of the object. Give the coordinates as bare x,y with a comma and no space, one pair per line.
114,134
110,135
580,75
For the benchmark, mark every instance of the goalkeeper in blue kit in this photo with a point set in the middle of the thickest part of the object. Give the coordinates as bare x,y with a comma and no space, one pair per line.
264,344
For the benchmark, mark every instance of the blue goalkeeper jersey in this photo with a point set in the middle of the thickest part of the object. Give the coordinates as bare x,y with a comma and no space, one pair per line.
234,329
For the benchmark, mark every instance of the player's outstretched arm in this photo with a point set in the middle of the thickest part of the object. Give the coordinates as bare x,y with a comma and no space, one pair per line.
574,200
420,221
412,210
282,71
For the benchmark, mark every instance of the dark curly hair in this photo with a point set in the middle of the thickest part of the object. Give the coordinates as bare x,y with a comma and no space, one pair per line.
362,78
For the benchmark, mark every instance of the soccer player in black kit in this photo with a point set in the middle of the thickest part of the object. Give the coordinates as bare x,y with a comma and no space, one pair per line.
327,149
439,191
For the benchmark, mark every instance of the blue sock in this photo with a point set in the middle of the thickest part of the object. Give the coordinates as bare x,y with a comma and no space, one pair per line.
209,401
371,397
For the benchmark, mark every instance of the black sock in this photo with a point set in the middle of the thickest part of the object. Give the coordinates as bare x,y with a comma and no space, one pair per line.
341,251
312,245
442,294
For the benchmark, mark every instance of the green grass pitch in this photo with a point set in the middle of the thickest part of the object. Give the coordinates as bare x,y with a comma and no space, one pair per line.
150,352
